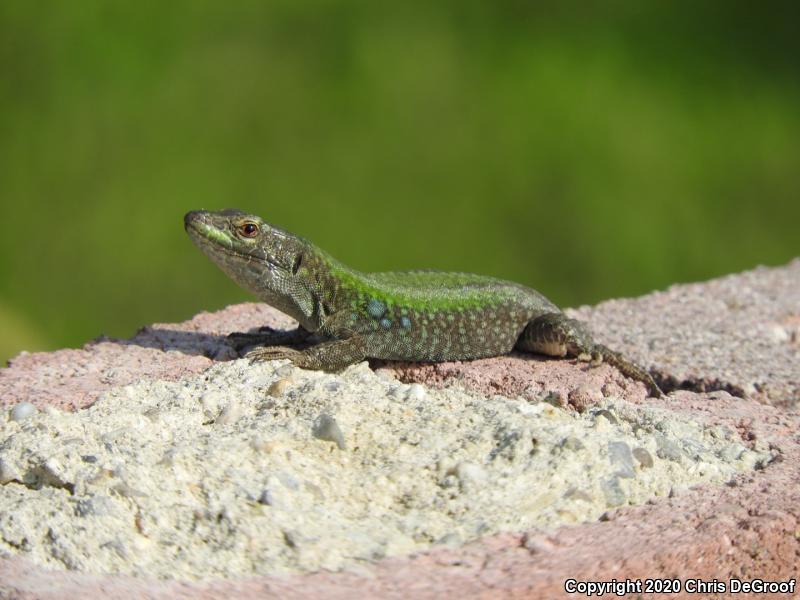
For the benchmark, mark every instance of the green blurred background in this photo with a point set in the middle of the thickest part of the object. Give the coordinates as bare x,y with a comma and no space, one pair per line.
589,149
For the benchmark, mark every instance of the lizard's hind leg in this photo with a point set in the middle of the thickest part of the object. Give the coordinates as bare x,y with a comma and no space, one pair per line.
555,334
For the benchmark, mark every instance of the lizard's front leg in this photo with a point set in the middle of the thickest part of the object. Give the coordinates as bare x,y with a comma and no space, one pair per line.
349,348
555,334
327,356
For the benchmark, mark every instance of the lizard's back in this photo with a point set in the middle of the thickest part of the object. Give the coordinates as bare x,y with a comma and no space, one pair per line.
443,316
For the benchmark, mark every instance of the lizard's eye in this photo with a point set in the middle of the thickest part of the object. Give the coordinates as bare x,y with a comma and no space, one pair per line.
248,229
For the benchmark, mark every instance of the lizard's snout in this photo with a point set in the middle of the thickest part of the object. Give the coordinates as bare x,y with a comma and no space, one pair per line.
191,217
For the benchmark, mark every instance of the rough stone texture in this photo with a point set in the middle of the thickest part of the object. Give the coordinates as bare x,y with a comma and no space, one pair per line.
738,334
73,378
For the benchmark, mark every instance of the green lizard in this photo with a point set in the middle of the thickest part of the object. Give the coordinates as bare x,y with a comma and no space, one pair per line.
413,316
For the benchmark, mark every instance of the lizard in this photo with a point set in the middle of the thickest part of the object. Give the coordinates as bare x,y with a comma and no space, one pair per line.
422,316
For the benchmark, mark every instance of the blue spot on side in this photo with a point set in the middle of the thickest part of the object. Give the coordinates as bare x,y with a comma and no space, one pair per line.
405,322
376,308
386,323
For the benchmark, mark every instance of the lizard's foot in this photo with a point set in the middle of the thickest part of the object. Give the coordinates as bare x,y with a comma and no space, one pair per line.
594,358
327,356
275,353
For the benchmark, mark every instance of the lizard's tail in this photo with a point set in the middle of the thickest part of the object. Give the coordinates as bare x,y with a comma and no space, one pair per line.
628,368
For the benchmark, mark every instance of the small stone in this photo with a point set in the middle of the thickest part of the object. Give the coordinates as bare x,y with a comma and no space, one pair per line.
279,387
292,540
732,452
22,411
450,539
584,397
643,456
326,428
315,491
751,460
285,370
555,399
615,496
96,506
777,333
267,498
229,414
537,543
8,471
127,491
416,392
469,474
620,457
667,449
118,547
576,494
288,480
609,416
572,443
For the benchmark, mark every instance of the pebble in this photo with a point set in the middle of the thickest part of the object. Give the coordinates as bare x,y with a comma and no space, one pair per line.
470,474
613,492
229,414
777,333
8,471
603,412
416,392
22,411
450,539
572,443
576,494
269,498
619,454
555,399
667,449
97,506
643,456
584,397
732,452
326,428
279,387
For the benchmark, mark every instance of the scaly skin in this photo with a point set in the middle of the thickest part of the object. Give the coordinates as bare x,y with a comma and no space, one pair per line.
414,315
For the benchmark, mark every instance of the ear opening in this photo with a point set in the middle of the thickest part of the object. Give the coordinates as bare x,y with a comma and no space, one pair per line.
298,262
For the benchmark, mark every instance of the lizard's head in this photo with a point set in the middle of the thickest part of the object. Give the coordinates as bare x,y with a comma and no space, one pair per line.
260,257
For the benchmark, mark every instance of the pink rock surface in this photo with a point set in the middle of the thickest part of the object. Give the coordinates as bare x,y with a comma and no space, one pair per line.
74,378
739,333
747,529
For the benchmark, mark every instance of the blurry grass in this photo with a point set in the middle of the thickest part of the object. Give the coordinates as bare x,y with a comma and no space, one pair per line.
587,153
18,334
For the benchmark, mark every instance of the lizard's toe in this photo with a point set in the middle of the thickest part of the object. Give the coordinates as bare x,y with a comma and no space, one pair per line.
272,353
